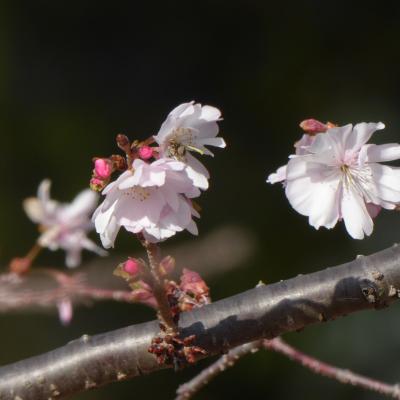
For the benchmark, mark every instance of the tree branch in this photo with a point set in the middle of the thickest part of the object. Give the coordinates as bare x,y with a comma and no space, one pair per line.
264,312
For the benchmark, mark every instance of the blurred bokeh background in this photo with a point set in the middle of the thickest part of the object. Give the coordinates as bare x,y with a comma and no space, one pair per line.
74,74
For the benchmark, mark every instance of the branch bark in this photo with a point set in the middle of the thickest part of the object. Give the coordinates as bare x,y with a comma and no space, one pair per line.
264,312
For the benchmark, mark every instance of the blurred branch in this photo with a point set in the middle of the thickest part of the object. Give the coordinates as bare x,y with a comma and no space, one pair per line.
45,288
263,312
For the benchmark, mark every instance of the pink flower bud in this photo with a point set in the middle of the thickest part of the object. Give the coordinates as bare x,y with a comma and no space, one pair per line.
20,266
313,126
145,152
192,282
103,168
132,267
96,184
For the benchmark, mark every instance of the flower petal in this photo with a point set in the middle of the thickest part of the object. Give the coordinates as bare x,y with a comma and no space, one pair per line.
355,214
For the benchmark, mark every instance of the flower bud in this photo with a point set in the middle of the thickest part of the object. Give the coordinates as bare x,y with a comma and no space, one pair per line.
192,283
123,142
313,126
20,265
145,152
132,267
102,168
97,184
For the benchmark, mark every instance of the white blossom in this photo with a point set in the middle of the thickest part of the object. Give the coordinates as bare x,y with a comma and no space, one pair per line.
151,199
190,128
64,226
340,177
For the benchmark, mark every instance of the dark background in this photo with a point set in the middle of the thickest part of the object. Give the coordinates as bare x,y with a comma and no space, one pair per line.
73,74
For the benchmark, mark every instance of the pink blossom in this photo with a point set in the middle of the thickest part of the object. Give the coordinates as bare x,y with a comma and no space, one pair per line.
341,178
64,226
191,127
152,199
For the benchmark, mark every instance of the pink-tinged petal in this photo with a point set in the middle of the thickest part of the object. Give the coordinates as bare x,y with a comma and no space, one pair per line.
65,311
44,191
171,197
73,257
381,153
82,205
210,113
355,214
278,176
303,144
192,228
373,209
91,246
387,183
361,133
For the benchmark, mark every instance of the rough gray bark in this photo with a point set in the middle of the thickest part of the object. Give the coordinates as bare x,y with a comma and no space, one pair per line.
264,312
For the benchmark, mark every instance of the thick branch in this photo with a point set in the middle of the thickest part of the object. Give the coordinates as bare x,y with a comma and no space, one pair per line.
263,312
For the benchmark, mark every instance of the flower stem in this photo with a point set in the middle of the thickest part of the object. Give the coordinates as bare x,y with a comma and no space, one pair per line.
156,282
34,252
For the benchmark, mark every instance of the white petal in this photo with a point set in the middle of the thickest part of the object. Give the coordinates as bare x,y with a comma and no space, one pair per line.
192,228
278,176
216,141
387,183
355,214
319,200
197,172
82,205
361,134
383,152
73,257
210,113
34,210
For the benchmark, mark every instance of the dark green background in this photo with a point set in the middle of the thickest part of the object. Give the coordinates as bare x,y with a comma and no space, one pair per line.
73,74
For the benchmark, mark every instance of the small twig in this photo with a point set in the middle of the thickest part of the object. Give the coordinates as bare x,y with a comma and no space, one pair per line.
189,389
34,252
156,282
321,368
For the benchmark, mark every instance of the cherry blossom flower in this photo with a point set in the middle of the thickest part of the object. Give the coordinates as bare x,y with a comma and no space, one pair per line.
64,226
190,127
340,178
150,198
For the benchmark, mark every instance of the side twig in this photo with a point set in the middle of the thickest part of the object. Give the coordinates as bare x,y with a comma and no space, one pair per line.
189,389
321,368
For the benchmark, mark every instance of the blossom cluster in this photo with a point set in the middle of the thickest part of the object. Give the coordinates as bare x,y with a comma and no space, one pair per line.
62,225
153,196
335,175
